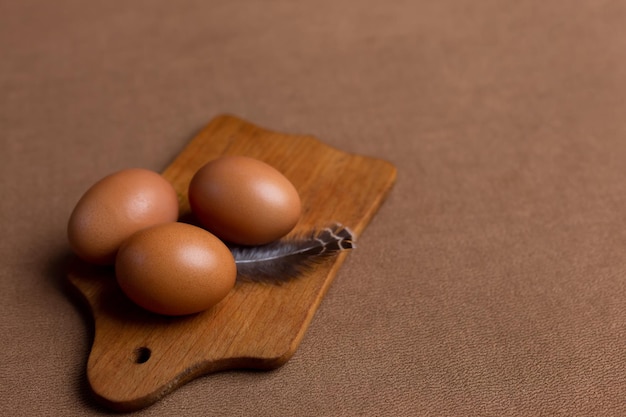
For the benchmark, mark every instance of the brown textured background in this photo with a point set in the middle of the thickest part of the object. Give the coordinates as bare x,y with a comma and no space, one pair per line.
492,282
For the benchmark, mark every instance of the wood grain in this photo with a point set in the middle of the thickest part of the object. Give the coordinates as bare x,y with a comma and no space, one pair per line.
138,357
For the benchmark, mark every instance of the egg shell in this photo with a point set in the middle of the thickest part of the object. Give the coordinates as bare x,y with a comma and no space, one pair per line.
175,269
244,200
116,207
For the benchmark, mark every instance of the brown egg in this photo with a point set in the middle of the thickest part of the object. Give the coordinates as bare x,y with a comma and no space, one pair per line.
116,207
175,269
243,200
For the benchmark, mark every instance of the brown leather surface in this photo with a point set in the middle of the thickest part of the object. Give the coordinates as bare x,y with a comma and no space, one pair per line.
491,282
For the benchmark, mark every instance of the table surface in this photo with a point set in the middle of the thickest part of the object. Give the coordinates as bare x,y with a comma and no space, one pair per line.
491,282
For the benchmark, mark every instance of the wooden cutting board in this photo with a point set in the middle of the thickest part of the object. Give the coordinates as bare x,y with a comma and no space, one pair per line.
138,357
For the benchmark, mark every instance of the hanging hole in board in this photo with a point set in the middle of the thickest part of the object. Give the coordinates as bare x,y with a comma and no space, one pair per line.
142,354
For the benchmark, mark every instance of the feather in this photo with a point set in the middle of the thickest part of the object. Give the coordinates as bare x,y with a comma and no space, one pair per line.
288,258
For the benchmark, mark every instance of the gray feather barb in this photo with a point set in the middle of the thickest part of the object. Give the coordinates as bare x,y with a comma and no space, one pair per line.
289,258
